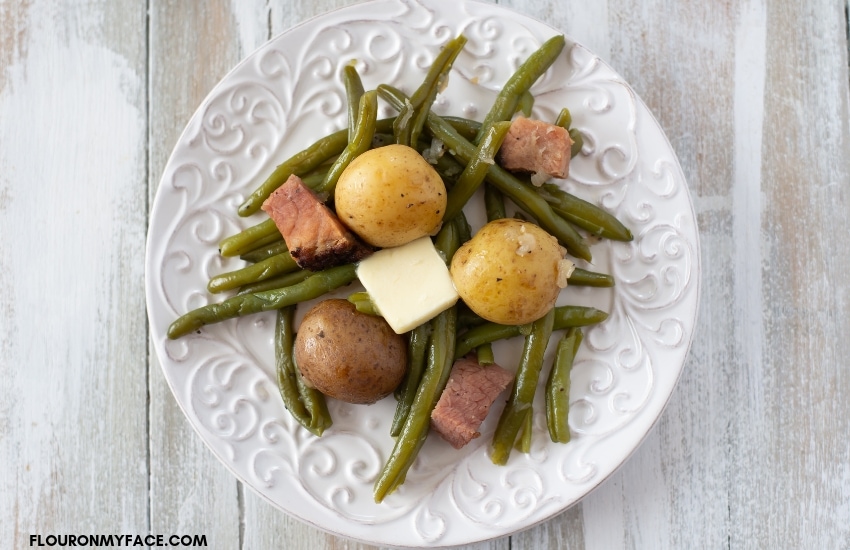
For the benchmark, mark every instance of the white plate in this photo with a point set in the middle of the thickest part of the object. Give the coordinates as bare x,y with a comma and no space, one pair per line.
287,94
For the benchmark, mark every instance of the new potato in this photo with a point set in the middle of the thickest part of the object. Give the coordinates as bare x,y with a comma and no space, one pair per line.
348,355
510,272
390,196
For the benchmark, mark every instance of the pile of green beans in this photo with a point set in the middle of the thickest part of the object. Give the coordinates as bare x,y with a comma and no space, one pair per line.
273,281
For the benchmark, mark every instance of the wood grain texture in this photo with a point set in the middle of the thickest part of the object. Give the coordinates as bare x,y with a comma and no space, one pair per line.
72,322
752,451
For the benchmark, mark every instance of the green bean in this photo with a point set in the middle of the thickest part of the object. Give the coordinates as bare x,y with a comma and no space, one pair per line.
494,203
464,230
584,214
367,117
505,104
363,303
484,353
524,195
476,169
274,283
246,240
412,115
584,277
353,92
435,81
558,387
264,252
260,271
417,352
466,127
302,162
525,384
565,317
417,424
578,142
564,119
525,103
307,405
317,284
523,443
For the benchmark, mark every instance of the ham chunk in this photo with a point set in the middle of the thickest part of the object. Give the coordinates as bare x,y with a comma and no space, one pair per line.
469,393
536,146
315,237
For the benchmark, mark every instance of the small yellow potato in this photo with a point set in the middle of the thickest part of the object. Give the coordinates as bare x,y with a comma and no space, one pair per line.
510,272
390,196
349,355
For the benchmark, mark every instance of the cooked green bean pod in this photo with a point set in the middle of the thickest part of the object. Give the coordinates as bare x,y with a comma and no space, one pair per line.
523,442
254,273
523,194
525,103
274,283
476,169
505,104
564,119
466,127
264,252
247,239
353,92
584,214
417,353
367,116
584,277
316,285
435,81
558,387
307,405
485,355
363,303
525,384
494,203
578,142
565,317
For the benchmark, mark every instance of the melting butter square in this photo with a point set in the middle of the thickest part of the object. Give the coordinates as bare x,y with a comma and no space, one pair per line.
409,284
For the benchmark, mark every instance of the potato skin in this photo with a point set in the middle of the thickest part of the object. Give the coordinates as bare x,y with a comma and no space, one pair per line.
390,196
508,272
348,355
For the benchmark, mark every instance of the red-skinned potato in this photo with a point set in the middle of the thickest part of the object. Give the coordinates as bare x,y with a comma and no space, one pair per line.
348,355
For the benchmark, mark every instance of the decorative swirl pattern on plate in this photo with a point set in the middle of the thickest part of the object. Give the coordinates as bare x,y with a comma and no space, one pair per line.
286,95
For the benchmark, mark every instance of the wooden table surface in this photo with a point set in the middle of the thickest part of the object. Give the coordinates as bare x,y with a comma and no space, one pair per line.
753,450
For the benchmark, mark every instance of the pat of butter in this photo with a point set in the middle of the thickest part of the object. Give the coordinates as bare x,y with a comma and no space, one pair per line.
409,284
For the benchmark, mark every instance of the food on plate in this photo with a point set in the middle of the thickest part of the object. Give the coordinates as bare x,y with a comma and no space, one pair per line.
408,284
313,234
558,386
470,392
538,147
390,196
510,272
401,185
348,355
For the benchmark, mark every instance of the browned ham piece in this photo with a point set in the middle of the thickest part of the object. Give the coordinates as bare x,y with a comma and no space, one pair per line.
316,239
464,404
536,146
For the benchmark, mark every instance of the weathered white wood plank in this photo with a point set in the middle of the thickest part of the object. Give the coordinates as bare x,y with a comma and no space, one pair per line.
192,46
72,219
